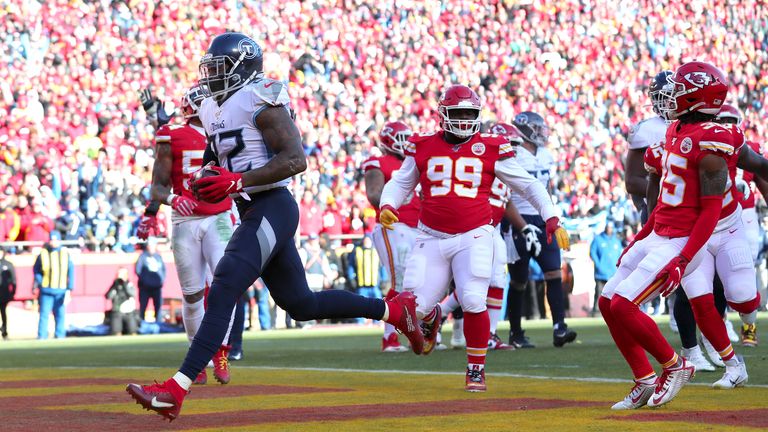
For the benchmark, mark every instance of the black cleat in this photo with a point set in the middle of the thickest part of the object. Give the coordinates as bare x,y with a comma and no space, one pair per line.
519,340
563,336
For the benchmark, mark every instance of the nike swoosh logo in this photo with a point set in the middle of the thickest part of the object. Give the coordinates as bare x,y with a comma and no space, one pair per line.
478,236
157,404
269,84
719,130
732,231
656,400
231,183
637,399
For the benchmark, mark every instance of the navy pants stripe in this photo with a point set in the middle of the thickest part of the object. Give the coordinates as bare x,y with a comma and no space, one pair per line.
270,217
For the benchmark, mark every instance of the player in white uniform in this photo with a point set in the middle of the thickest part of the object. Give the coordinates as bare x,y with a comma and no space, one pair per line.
530,240
254,140
201,230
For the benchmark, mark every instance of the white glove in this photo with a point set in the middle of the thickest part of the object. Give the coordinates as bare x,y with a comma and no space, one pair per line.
743,187
532,243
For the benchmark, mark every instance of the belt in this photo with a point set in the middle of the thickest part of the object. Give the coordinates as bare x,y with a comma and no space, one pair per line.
239,200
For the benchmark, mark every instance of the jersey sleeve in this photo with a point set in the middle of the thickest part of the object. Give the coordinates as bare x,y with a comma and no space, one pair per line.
723,140
652,158
397,189
516,178
637,138
163,135
371,163
269,93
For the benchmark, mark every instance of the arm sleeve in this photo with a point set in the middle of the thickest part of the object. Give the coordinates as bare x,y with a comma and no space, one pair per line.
518,179
401,185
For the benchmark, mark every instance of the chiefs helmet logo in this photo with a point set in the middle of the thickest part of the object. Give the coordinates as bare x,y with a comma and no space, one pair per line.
387,131
699,79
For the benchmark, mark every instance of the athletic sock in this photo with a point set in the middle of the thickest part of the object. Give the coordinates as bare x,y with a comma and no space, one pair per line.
631,350
643,329
712,325
494,302
476,331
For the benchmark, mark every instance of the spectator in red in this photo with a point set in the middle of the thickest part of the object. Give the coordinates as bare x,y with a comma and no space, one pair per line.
332,219
311,221
38,226
355,224
10,222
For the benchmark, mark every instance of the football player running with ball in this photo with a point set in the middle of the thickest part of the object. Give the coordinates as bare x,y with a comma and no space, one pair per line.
257,148
695,188
201,230
456,167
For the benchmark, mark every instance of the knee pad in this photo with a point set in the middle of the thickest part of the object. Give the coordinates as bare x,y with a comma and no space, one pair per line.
473,302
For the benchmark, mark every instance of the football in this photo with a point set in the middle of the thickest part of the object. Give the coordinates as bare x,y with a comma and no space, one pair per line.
203,172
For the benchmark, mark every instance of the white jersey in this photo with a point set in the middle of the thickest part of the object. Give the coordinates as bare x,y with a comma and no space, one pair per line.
647,132
232,131
539,166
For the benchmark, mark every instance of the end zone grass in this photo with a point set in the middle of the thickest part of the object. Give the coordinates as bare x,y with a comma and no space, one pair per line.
336,379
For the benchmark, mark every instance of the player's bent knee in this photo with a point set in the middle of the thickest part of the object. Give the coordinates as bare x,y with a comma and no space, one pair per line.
517,286
473,303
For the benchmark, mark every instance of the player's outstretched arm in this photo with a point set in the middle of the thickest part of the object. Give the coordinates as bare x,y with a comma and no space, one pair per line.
520,181
283,138
753,162
401,184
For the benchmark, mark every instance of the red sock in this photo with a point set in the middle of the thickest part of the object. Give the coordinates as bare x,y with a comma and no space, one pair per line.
394,313
642,329
632,351
711,325
477,330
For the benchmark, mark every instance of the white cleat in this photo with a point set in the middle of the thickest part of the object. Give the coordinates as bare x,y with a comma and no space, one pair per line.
697,359
732,335
671,382
636,398
712,353
734,376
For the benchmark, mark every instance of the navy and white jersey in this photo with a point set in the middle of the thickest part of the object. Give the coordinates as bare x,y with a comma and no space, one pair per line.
232,131
540,166
647,133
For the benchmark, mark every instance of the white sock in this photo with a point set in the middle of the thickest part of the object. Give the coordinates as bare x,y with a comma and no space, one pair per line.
689,352
733,361
648,380
449,304
493,315
749,318
388,330
182,380
192,313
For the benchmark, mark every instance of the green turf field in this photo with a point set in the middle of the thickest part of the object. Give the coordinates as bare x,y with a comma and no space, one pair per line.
592,356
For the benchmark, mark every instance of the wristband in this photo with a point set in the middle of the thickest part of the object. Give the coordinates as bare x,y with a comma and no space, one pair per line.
170,199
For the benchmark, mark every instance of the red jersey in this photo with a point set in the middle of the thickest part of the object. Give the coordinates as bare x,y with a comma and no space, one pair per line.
456,180
187,148
678,206
748,177
389,164
498,200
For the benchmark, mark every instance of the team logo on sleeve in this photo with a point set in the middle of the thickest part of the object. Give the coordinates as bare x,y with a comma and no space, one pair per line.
686,145
478,149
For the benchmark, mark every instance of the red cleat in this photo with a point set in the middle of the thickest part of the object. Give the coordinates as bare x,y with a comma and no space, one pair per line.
221,365
202,378
164,399
431,331
475,380
391,344
402,310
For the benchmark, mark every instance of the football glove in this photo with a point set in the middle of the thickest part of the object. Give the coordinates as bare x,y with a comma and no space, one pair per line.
183,205
561,235
148,101
671,275
216,188
147,225
743,187
531,235
388,217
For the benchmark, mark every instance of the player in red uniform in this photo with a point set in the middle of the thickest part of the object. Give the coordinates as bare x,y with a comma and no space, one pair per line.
456,167
694,191
201,229
746,182
394,246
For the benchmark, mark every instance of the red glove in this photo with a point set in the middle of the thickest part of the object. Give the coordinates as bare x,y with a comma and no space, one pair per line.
185,206
147,225
670,276
215,188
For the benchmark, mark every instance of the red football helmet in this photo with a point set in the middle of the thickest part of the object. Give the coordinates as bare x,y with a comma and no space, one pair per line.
459,97
508,131
393,136
190,103
729,114
696,86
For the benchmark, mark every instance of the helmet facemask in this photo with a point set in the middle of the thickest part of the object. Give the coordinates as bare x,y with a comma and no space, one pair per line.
461,128
190,103
218,74
398,141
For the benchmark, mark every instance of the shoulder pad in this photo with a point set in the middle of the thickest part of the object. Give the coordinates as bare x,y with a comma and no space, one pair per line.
493,139
723,138
421,136
271,92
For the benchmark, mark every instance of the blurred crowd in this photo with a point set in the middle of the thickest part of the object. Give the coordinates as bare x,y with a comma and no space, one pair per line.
76,150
